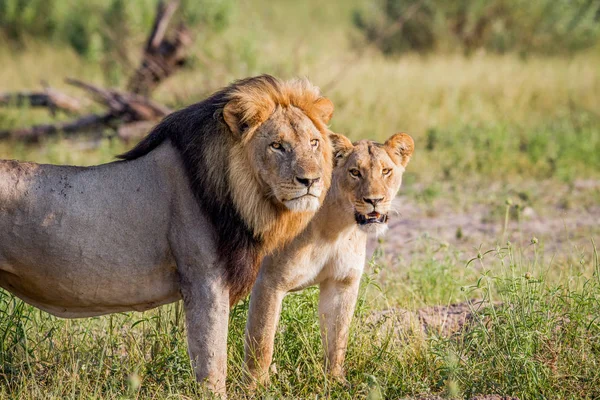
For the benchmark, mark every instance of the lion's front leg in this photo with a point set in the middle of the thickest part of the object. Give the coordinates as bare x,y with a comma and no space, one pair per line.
206,303
336,308
263,316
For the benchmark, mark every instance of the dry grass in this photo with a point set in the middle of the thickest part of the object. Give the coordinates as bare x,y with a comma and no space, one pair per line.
460,102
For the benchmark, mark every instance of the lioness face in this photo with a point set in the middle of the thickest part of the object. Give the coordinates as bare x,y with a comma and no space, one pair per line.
369,175
293,159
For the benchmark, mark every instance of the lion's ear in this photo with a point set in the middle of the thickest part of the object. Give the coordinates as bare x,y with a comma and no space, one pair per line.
400,147
243,116
233,118
324,109
341,145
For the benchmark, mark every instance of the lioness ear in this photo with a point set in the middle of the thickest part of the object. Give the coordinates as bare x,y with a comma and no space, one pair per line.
324,109
341,145
400,147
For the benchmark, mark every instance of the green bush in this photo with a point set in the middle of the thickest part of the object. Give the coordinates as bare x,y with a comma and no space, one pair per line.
540,26
20,18
101,31
96,27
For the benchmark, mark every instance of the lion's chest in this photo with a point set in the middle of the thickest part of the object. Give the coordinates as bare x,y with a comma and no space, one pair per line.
337,260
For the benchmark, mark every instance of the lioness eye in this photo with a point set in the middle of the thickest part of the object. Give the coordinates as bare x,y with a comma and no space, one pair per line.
276,146
314,143
387,171
354,172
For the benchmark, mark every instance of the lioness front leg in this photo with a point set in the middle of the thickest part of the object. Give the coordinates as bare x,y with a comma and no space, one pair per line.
206,303
336,308
263,316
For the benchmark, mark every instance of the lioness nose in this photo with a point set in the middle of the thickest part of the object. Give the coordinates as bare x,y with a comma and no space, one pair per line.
373,201
308,182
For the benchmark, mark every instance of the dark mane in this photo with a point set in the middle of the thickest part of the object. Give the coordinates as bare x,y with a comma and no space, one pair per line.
198,132
176,125
204,135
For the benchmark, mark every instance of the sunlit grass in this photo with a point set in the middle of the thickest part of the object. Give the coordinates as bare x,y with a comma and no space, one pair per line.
491,116
540,340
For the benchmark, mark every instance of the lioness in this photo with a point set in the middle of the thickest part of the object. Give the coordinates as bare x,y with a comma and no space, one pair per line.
330,252
189,213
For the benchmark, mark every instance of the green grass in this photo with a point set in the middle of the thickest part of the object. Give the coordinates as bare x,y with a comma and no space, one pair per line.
541,342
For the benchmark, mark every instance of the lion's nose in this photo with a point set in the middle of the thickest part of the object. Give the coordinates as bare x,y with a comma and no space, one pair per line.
308,182
373,201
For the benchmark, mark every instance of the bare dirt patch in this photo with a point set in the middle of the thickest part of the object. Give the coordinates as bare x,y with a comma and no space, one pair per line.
479,397
561,216
439,320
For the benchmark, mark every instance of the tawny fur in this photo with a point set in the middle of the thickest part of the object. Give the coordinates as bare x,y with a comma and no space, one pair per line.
330,252
188,215
273,224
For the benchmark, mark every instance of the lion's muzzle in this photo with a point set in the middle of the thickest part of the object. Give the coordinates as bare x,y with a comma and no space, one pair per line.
304,195
308,202
370,218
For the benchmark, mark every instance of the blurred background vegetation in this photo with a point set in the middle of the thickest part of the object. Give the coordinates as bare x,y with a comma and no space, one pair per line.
96,27
499,26
488,88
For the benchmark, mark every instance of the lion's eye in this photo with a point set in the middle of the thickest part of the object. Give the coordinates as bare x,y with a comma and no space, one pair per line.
387,171
314,143
276,146
355,172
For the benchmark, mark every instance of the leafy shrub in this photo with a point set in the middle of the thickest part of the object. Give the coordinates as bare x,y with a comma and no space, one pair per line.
19,18
95,27
541,26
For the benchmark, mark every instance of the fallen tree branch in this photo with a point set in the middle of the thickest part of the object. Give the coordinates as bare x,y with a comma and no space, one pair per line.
87,123
161,22
129,114
50,98
135,113
139,108
162,56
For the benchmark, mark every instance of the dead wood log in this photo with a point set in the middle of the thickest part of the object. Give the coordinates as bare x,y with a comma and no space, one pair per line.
136,113
136,107
50,98
162,56
91,122
130,114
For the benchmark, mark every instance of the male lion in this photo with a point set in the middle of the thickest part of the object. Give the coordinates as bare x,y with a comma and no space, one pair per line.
189,213
330,252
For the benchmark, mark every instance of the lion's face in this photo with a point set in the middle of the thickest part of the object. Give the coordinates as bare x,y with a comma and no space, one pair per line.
292,159
368,175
